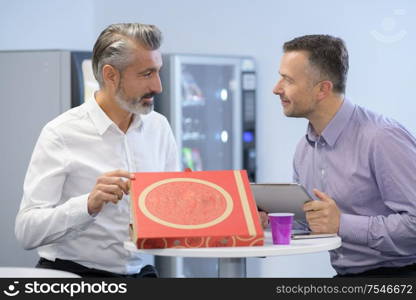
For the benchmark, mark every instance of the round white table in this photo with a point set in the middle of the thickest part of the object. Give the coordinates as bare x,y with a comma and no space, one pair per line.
232,260
17,272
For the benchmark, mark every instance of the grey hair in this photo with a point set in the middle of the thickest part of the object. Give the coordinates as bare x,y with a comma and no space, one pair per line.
114,45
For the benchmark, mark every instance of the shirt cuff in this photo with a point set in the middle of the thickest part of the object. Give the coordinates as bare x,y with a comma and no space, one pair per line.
76,209
354,229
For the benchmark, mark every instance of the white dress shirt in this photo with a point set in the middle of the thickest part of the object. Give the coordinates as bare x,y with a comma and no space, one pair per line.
72,151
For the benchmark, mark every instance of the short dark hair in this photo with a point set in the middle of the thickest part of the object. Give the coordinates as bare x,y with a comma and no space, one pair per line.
327,53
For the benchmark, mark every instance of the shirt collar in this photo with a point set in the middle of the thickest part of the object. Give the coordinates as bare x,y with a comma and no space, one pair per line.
102,122
334,128
137,121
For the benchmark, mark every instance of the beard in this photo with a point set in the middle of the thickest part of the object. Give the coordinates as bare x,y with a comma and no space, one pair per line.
134,105
295,109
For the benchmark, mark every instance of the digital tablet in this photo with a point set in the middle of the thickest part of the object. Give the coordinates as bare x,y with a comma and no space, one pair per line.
281,197
310,235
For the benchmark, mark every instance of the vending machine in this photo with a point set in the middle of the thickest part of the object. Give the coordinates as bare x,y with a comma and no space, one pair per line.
210,103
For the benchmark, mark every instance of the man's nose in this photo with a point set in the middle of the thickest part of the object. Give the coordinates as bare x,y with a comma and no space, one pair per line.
157,85
277,90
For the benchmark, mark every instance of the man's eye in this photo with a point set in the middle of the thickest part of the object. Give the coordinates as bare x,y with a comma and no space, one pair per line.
148,74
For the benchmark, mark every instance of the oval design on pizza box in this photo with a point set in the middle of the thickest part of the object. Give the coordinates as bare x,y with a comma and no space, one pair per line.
185,203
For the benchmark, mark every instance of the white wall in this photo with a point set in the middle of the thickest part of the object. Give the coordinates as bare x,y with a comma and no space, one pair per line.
47,24
381,71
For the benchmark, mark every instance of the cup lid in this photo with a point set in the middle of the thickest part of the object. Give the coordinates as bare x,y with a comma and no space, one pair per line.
281,214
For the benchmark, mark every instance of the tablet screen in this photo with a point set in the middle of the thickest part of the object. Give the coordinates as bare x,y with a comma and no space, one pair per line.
280,197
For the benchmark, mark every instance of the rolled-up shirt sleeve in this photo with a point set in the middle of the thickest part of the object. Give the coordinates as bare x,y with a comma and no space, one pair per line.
393,163
44,217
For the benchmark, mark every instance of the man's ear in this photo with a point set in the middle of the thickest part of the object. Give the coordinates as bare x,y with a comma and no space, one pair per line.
325,89
111,77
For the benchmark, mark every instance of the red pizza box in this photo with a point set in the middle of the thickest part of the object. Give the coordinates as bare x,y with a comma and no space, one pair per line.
194,209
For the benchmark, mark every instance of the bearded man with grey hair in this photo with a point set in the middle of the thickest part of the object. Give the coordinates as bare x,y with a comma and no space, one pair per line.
75,208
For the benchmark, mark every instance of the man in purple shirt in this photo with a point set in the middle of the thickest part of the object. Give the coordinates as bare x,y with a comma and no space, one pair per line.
359,165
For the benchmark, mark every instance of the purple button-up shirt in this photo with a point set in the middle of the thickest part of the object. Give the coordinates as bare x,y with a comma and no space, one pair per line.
367,164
